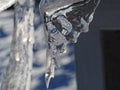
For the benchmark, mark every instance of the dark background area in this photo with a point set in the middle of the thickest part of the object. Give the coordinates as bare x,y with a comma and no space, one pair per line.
110,46
97,52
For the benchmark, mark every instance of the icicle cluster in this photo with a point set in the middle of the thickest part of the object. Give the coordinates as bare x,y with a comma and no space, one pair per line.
64,20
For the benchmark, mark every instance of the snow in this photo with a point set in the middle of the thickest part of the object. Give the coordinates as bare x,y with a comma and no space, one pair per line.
4,4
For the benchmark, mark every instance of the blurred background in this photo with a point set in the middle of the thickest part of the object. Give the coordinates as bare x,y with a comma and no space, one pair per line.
92,64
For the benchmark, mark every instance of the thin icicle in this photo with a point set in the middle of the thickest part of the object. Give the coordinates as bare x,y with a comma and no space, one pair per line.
17,75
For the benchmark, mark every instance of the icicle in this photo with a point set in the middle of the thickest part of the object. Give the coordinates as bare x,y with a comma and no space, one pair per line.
17,75
64,20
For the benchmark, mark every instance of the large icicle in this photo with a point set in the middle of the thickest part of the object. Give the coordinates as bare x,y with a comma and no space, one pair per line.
17,75
64,20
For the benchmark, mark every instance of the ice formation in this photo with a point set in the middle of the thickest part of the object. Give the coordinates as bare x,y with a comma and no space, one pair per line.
17,75
64,20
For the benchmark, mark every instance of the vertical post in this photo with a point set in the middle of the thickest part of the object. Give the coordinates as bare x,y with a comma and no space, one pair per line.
17,75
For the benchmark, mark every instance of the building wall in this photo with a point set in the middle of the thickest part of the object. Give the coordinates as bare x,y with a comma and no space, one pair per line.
89,59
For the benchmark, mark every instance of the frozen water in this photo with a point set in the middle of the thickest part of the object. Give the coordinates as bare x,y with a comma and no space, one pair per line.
65,76
64,20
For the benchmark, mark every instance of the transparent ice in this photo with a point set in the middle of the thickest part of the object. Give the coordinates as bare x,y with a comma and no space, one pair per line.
64,20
